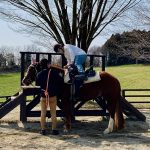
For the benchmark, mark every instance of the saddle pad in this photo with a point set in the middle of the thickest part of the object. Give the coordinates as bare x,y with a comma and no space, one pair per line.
93,79
90,79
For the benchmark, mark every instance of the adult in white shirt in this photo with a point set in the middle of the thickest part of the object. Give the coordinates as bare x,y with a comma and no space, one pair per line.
73,54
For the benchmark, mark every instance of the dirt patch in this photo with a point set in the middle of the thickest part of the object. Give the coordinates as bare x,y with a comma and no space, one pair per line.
86,134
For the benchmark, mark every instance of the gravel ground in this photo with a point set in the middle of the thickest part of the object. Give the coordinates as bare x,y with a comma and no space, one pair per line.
86,134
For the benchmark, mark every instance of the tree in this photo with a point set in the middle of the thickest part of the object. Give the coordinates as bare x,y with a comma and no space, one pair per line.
95,50
10,58
141,14
2,61
77,22
127,47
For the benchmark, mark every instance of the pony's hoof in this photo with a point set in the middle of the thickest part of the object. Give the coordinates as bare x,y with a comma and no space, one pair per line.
66,131
106,131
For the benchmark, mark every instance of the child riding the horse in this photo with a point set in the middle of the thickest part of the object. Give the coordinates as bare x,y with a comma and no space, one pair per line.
48,96
73,54
76,57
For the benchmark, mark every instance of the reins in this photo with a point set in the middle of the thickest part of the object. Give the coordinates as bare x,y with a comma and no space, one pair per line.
46,90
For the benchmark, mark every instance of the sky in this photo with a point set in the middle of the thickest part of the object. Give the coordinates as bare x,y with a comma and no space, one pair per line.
10,38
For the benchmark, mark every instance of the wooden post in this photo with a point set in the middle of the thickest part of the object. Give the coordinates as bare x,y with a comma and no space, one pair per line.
22,66
64,61
103,63
49,58
37,57
23,116
123,93
91,60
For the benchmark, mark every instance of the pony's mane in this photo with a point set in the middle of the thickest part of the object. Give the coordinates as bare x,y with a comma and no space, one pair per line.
35,63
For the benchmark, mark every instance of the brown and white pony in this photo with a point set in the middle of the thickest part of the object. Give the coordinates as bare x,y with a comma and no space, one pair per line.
108,88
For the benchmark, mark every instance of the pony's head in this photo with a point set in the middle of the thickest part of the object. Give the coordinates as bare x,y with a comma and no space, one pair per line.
31,73
33,70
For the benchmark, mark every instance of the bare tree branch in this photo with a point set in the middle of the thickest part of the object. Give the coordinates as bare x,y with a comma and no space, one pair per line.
75,22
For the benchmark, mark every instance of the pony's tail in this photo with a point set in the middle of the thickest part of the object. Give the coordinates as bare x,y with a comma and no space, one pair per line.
119,119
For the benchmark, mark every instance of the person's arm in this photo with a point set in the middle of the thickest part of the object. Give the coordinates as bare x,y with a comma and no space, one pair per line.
69,54
37,80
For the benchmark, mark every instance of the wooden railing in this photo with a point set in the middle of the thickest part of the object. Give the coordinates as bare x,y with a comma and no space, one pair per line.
136,95
3,100
38,54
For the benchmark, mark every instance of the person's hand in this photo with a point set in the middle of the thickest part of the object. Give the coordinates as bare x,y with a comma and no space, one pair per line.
66,67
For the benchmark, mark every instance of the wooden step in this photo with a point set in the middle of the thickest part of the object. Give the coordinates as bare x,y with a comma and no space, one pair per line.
130,111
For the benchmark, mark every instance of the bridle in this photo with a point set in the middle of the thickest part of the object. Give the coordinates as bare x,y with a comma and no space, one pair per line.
34,66
29,76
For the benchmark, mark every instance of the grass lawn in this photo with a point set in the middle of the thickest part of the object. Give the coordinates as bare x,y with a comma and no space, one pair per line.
9,83
132,76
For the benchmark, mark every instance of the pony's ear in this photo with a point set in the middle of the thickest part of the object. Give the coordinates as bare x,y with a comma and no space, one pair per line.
33,61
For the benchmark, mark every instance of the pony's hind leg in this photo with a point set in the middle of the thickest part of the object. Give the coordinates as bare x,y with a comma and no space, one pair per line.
111,109
110,126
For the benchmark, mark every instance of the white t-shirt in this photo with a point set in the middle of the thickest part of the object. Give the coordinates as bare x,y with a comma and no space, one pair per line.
70,51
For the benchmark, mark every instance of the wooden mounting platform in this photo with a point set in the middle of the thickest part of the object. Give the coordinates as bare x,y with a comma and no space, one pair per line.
130,111
26,109
10,104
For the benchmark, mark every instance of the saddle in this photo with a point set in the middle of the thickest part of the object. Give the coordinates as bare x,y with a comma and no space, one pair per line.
90,72
79,79
75,75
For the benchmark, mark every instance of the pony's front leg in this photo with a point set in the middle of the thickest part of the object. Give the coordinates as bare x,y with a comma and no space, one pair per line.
67,125
110,126
67,115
